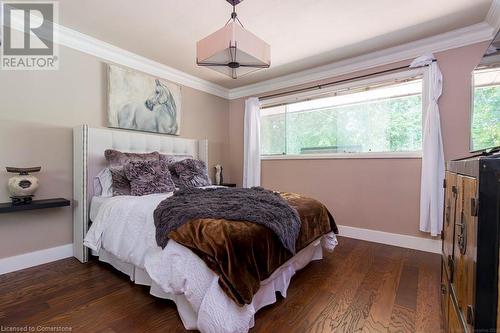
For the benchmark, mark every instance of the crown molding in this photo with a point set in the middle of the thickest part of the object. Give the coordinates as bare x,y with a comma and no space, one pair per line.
493,16
110,53
457,38
84,43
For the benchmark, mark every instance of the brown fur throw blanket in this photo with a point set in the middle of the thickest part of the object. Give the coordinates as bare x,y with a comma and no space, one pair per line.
235,204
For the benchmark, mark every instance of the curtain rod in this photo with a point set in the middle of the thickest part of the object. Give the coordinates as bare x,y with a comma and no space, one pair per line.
328,84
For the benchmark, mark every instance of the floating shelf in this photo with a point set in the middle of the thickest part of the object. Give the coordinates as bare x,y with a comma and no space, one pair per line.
8,207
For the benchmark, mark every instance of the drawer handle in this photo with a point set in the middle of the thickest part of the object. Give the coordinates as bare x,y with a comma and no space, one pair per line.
451,265
462,237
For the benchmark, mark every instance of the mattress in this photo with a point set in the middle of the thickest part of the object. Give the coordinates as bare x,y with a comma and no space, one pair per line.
123,234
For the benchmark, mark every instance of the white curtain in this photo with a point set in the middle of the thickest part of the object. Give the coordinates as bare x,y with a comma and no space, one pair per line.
251,162
433,167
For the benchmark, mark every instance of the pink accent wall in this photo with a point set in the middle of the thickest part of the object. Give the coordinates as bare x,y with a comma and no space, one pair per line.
377,194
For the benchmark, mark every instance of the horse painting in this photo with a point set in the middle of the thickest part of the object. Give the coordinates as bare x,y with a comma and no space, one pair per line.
156,111
157,114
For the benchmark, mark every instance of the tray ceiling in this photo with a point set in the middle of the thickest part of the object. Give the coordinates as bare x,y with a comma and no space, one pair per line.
303,33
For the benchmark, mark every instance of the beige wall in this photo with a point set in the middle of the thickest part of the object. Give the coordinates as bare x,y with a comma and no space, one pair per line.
37,112
378,194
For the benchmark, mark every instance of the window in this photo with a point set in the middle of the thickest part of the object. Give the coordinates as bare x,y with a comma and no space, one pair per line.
376,117
485,124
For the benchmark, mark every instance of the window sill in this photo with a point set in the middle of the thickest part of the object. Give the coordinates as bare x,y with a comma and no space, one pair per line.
391,155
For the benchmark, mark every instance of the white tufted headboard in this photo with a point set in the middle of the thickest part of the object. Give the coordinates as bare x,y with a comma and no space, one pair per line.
89,145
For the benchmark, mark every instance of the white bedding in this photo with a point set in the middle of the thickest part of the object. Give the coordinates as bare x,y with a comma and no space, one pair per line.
95,204
123,229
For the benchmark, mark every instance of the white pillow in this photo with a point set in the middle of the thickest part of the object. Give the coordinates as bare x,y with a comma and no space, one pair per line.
103,184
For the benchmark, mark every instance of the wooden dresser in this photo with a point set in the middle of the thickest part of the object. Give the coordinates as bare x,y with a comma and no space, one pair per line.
471,229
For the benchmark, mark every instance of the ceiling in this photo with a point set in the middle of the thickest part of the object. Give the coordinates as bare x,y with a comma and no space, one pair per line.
302,33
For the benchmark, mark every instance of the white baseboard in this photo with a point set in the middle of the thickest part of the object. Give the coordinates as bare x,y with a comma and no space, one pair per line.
411,242
26,260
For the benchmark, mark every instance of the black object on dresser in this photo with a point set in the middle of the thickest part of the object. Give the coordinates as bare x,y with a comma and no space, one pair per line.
471,231
9,207
228,184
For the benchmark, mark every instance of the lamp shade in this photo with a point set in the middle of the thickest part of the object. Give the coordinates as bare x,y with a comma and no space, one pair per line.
233,51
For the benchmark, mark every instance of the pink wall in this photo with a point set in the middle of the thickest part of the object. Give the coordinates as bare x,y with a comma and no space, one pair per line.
456,66
378,194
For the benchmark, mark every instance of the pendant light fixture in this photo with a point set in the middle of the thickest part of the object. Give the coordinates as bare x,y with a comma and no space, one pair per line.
233,50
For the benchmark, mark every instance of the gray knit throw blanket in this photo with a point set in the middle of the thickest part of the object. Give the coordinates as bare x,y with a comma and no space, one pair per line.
235,204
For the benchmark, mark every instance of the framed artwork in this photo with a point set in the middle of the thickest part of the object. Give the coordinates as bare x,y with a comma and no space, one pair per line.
141,102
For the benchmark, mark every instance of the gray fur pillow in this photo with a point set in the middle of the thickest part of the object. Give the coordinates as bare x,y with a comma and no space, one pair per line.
189,173
171,159
148,177
118,158
121,184
116,162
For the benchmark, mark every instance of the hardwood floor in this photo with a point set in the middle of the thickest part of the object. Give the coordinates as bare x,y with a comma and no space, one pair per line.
361,287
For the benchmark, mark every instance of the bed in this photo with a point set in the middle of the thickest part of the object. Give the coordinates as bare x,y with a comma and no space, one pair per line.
120,231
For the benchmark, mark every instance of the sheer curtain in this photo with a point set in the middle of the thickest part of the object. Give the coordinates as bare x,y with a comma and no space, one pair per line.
431,192
251,162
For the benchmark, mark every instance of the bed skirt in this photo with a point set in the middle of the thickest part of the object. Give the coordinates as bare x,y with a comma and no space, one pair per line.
266,295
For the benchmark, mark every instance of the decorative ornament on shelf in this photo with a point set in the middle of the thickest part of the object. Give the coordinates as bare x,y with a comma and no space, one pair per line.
219,179
233,50
23,186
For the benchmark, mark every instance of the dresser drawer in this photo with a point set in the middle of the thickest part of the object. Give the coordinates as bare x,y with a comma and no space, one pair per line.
464,277
471,242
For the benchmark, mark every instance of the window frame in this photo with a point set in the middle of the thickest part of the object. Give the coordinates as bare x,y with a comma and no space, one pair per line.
421,71
472,150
